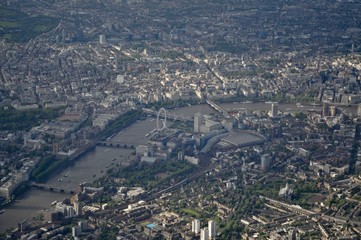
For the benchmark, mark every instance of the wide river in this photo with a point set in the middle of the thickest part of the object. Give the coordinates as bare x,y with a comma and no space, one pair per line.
95,163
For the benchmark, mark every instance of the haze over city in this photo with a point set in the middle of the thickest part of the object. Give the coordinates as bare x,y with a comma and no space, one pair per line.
162,119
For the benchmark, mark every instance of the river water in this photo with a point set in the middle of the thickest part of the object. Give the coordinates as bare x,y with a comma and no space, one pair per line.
95,163
88,168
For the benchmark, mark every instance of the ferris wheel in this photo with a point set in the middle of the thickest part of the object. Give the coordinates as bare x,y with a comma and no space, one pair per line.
161,119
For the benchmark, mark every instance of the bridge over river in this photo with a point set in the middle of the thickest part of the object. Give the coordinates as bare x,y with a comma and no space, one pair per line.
51,188
175,117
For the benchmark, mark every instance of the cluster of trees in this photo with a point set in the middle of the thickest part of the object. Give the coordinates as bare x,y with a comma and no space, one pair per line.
21,189
108,232
232,230
13,120
247,204
47,166
271,190
20,27
122,122
303,191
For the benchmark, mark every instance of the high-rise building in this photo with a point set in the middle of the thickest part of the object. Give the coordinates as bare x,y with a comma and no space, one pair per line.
333,111
83,225
359,110
265,162
204,234
325,109
196,226
102,39
212,229
198,120
69,212
75,231
78,207
292,234
274,110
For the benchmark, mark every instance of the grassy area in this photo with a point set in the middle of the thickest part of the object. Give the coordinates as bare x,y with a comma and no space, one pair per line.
191,212
40,28
17,26
184,126
145,175
5,24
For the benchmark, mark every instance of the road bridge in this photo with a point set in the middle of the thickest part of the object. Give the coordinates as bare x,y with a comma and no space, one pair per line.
51,188
115,145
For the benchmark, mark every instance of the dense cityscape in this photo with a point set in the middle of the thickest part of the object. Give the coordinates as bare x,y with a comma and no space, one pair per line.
161,119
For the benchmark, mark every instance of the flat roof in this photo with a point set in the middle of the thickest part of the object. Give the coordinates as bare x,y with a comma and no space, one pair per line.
243,139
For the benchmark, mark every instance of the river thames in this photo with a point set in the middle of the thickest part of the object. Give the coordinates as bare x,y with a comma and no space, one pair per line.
95,163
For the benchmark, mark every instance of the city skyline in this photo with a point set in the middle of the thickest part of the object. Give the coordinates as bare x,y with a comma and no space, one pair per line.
161,119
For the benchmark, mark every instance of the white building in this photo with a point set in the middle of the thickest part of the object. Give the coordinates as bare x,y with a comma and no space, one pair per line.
212,229
198,121
274,110
192,160
196,226
102,39
204,234
120,79
205,123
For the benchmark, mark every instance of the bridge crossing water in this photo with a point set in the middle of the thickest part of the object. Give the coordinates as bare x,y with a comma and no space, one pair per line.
51,188
218,108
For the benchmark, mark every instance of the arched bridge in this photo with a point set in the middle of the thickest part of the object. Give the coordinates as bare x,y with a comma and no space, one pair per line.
52,188
115,145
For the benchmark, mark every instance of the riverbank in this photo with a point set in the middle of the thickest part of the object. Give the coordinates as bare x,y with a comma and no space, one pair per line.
54,163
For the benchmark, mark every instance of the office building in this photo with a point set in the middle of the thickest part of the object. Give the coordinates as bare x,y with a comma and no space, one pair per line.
78,207
265,162
198,121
